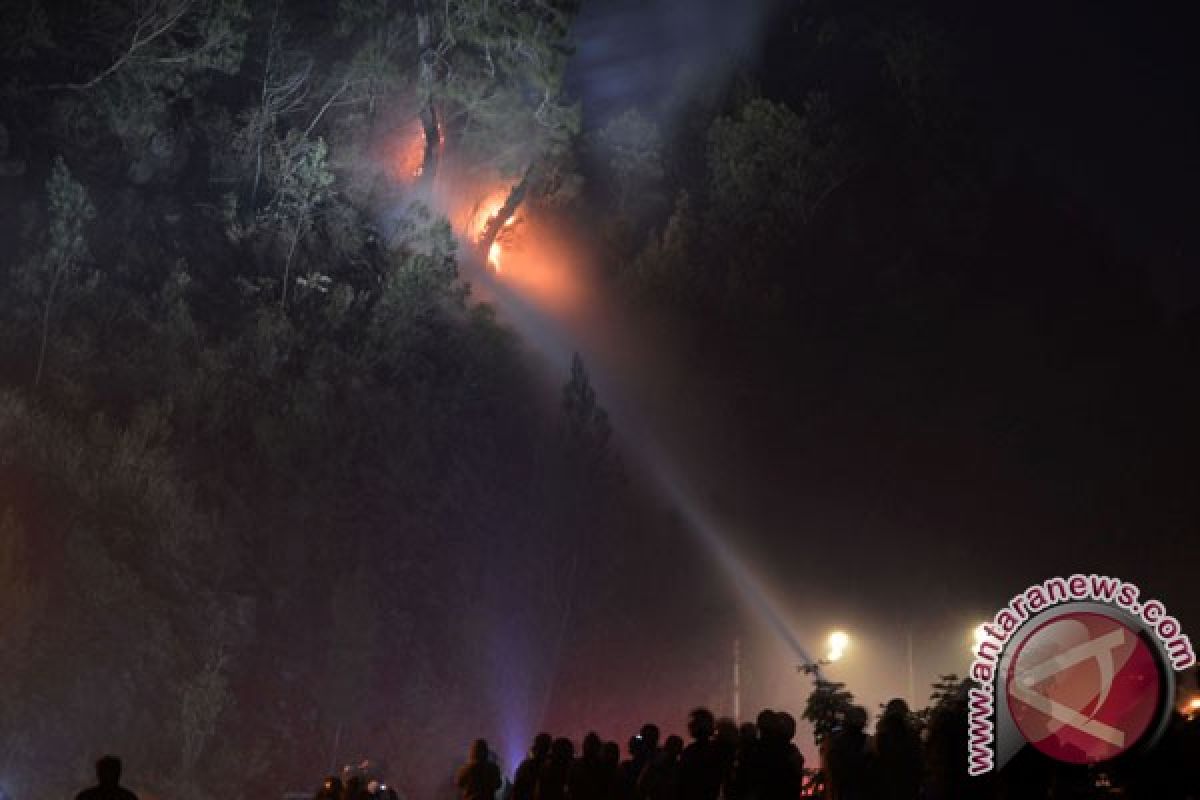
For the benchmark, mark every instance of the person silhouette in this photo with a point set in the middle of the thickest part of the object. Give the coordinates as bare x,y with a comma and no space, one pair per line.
108,782
525,779
700,764
849,759
583,779
660,779
897,753
479,778
552,780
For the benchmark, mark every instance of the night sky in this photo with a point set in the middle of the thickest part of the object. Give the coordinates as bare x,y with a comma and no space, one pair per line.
924,472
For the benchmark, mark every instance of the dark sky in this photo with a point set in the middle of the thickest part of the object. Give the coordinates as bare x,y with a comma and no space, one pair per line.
934,475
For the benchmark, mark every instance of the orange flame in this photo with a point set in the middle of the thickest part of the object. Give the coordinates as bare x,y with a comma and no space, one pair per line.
408,153
485,210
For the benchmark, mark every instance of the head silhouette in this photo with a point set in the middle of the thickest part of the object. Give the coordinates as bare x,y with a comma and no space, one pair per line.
787,726
650,736
768,724
592,745
562,751
856,718
541,746
727,731
701,724
478,753
896,707
637,746
108,771
673,746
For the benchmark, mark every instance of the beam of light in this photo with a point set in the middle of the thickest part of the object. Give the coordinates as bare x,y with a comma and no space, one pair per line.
532,290
557,349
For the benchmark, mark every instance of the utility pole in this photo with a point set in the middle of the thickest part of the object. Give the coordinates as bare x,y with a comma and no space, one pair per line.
737,680
912,694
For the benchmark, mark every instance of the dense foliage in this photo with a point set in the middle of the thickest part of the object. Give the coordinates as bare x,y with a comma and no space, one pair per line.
270,478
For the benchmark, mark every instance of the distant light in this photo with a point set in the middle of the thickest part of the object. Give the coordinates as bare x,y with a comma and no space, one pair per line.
979,634
1195,704
838,642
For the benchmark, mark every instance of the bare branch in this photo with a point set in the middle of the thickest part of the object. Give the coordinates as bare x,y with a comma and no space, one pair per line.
141,39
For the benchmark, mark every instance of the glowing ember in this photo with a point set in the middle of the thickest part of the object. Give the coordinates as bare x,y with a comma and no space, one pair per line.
408,153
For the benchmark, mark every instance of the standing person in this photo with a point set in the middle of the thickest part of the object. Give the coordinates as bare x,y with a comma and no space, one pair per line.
611,785
660,779
525,779
479,778
643,749
700,767
552,780
108,782
787,762
849,775
354,788
583,780
726,743
631,768
650,735
743,778
897,754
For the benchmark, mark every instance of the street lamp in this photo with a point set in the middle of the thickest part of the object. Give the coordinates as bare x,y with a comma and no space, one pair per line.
978,635
838,642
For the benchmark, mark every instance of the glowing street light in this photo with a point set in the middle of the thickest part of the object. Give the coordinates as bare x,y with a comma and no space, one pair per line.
838,642
978,635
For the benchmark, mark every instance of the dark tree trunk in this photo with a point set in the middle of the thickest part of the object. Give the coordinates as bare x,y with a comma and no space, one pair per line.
426,79
496,223
433,144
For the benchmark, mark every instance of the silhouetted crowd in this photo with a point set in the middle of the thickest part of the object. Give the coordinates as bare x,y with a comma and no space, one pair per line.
723,761
364,781
905,759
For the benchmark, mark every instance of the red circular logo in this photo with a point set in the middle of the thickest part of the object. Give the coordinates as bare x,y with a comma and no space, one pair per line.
1083,687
